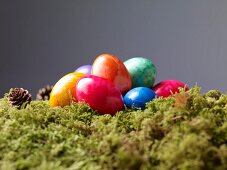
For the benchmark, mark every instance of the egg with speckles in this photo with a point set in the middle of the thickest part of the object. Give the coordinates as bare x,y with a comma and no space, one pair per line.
138,97
142,71
64,92
168,87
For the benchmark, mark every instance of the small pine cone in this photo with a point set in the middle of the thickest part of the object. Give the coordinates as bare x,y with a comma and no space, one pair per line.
44,93
19,96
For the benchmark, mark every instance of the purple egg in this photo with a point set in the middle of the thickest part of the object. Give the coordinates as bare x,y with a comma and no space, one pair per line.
86,69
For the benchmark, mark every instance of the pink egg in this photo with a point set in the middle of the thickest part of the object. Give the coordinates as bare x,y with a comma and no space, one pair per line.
168,87
100,94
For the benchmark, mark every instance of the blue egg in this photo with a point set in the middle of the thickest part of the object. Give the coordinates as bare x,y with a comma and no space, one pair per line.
138,97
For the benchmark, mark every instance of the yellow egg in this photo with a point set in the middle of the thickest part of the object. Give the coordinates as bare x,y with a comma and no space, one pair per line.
64,91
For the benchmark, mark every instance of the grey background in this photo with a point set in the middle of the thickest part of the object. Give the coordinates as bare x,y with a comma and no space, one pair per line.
40,41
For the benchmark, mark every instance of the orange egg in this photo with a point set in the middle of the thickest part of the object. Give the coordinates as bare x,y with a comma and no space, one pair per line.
64,91
110,67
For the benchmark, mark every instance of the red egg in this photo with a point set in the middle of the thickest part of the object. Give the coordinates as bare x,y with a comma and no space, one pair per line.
110,67
168,87
100,94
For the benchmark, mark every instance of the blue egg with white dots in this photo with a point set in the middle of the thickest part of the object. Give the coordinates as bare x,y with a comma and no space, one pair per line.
138,97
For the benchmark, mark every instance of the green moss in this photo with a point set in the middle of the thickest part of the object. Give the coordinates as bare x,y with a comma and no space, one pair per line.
188,131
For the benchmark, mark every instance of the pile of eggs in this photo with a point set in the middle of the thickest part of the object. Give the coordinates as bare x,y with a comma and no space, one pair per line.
110,84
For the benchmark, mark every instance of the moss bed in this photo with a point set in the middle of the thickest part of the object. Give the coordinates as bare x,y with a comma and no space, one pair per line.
185,131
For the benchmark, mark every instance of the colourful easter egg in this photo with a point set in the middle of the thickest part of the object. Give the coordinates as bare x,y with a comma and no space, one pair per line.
138,97
110,67
100,94
64,92
86,69
142,71
168,87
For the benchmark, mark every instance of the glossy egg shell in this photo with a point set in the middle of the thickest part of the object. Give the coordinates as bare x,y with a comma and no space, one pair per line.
168,87
100,94
138,97
142,71
63,92
110,67
86,69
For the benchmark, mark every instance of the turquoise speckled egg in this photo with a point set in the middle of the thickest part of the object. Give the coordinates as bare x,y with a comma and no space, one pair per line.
142,71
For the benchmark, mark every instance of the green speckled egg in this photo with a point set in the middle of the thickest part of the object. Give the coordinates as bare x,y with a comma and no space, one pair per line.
142,71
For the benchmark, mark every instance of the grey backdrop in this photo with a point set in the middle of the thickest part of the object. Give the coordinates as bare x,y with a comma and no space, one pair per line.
40,41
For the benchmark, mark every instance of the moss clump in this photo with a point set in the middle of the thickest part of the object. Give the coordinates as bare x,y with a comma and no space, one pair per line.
185,131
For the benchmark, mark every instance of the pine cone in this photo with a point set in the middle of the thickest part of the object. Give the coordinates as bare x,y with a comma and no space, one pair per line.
19,96
44,93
